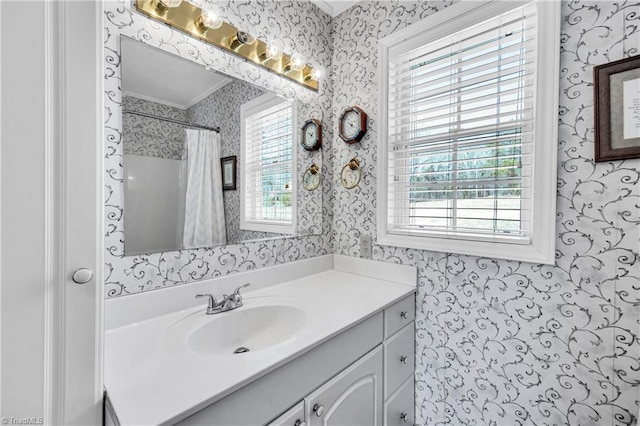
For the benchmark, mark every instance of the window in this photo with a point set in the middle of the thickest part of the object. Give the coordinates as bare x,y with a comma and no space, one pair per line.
268,198
468,129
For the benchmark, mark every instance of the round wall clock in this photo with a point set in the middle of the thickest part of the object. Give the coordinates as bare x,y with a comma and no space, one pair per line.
311,178
312,135
350,175
352,125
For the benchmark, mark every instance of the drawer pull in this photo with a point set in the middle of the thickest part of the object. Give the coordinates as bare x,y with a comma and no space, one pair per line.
318,409
403,314
403,359
299,423
404,417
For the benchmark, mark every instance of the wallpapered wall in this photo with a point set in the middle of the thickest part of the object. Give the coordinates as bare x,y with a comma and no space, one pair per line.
303,28
508,343
150,137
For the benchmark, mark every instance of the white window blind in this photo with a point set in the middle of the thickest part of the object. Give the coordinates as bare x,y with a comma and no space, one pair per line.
460,132
268,152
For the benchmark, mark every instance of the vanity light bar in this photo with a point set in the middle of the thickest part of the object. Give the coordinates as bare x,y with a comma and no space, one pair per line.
187,18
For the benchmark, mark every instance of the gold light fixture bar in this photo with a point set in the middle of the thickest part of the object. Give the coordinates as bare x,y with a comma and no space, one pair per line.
185,17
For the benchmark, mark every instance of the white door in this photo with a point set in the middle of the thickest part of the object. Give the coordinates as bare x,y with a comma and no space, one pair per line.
50,212
352,398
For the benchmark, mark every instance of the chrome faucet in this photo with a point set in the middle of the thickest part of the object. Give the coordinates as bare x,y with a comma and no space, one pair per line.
228,303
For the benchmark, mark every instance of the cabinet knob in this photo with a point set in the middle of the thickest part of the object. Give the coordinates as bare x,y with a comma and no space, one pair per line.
82,276
318,409
404,314
300,423
403,359
404,417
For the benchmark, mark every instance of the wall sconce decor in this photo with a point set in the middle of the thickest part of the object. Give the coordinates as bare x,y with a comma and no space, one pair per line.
206,24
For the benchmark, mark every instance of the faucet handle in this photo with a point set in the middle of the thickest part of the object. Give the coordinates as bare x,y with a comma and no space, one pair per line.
212,302
237,290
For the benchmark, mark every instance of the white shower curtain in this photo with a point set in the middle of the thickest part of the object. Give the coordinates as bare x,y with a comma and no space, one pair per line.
204,224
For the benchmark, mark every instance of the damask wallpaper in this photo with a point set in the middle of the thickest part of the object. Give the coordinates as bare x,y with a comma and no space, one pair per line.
302,27
149,137
500,342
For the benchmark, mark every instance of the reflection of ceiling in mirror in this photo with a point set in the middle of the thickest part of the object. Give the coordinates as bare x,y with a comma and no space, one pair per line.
334,7
174,81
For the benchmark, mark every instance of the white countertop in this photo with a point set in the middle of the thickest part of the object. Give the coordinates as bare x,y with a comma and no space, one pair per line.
153,378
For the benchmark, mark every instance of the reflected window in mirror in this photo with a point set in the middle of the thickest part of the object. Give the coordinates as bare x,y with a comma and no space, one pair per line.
268,202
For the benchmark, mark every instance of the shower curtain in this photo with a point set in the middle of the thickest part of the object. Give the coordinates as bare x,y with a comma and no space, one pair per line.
201,177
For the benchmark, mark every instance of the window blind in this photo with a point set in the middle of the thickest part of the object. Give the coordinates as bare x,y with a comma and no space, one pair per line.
460,132
268,164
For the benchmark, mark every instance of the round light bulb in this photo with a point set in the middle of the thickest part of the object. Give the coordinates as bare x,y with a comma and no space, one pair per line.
298,61
211,16
274,49
318,73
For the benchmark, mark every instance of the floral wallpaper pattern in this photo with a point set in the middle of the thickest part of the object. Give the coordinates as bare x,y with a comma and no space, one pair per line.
500,342
302,27
149,137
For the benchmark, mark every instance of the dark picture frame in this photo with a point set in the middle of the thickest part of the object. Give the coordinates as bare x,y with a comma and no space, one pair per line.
617,109
229,172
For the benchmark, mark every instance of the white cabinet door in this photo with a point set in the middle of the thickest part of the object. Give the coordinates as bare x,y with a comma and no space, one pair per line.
292,417
352,398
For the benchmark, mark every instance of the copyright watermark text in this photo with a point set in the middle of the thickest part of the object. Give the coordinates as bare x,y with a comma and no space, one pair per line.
22,420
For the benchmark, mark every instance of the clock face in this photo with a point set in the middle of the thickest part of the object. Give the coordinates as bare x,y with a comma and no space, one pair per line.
311,137
351,124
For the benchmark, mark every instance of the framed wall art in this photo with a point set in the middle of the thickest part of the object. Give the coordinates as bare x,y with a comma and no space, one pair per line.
617,109
229,167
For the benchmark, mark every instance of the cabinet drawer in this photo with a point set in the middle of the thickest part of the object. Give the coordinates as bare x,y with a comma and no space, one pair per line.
399,359
292,417
400,408
399,315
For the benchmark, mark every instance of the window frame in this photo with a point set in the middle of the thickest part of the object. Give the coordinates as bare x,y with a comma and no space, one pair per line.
540,248
248,109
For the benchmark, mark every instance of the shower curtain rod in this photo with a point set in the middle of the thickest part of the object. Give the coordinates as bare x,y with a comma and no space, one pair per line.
171,120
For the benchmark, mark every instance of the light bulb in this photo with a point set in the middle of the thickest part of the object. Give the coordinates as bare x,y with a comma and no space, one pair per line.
318,73
211,16
274,49
298,61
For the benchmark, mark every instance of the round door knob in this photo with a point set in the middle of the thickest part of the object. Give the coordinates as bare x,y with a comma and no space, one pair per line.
403,359
404,417
403,315
82,276
318,409
300,423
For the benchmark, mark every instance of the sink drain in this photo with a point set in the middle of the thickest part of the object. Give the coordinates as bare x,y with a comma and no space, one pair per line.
241,350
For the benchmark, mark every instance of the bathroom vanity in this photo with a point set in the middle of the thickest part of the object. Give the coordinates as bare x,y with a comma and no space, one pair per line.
328,340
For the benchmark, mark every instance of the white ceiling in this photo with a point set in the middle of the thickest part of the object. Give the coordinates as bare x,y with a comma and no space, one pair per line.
335,7
155,75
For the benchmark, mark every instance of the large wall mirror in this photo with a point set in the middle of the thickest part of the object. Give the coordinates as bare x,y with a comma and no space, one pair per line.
180,120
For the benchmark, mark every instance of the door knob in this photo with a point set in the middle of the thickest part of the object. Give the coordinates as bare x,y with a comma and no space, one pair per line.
300,423
403,315
403,417
318,409
82,276
403,359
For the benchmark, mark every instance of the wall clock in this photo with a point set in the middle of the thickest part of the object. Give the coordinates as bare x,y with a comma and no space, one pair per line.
352,125
312,134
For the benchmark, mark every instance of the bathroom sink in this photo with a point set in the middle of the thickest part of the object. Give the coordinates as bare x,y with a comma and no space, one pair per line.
246,329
